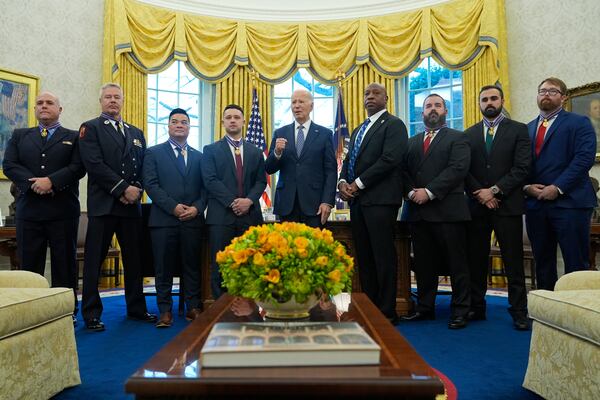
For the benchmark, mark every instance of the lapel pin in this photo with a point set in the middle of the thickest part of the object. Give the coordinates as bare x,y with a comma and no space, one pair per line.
127,126
106,122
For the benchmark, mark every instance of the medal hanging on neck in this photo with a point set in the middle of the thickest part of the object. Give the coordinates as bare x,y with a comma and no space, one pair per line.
237,151
545,123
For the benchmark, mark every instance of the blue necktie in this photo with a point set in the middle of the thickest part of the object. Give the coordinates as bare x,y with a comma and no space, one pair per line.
356,148
300,140
180,161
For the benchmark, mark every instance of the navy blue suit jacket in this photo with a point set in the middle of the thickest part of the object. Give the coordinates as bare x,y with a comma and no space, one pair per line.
27,157
566,157
312,176
218,173
167,186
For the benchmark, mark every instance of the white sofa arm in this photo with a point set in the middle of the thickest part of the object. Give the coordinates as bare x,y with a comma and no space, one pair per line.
22,279
579,280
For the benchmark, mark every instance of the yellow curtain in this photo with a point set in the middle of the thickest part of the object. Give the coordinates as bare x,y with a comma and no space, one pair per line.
353,94
468,35
237,89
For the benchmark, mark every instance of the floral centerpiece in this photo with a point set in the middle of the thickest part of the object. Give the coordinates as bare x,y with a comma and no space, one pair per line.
278,263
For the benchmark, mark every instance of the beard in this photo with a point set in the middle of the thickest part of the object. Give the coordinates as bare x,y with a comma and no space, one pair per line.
547,105
491,112
434,120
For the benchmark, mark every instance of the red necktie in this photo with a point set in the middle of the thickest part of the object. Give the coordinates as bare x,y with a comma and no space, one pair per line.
539,138
427,141
239,172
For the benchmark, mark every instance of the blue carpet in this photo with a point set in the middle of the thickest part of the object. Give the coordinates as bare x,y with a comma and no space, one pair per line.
487,360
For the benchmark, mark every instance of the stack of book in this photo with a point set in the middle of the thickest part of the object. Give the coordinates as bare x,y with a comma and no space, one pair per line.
276,344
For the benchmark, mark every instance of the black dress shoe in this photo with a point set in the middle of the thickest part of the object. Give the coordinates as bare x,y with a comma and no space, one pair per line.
457,323
418,316
521,324
476,315
146,317
94,325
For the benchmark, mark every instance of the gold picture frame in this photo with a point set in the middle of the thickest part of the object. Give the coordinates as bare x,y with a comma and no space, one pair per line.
585,100
17,100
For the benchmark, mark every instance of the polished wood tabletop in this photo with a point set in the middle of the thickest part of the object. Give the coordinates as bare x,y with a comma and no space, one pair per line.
175,371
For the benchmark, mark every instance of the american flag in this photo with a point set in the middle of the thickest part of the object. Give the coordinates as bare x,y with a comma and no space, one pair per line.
256,136
341,133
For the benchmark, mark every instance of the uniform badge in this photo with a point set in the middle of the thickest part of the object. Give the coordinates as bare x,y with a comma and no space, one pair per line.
82,132
137,142
68,143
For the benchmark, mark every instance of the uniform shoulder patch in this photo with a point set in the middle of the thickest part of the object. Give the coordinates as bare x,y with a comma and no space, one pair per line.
82,131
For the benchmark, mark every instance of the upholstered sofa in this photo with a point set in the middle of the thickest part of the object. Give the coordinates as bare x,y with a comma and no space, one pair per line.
564,356
38,356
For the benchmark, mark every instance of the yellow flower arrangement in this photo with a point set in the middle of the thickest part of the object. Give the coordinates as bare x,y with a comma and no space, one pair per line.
279,262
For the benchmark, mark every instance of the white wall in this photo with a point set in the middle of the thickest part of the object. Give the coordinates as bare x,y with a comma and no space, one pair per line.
59,41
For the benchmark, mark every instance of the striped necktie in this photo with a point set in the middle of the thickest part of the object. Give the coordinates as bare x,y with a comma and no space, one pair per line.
356,148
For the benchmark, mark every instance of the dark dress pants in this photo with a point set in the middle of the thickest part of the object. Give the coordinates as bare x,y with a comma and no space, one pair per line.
221,236
297,215
99,235
509,231
33,238
373,233
177,248
435,245
548,226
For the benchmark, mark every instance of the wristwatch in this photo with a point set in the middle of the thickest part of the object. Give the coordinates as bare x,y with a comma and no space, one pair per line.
495,190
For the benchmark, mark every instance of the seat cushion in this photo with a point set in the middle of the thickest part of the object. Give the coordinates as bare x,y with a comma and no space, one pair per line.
573,311
24,308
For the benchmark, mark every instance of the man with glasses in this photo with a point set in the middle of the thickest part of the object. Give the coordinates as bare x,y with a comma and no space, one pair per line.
560,197
173,180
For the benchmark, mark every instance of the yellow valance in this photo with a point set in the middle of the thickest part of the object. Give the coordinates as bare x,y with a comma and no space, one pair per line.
455,33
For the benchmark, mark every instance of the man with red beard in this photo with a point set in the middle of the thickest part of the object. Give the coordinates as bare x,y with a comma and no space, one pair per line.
560,197
500,159
436,165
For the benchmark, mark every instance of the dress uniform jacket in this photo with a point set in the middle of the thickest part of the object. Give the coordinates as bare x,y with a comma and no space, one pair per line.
113,163
26,157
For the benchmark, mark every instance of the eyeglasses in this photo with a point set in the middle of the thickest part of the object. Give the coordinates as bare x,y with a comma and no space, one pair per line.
551,92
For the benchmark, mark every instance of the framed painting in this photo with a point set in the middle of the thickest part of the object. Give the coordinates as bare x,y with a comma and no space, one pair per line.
17,99
585,100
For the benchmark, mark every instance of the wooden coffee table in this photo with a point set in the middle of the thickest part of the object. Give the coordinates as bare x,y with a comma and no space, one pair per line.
175,372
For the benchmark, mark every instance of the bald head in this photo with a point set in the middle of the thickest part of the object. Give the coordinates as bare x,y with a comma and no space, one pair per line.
47,108
302,105
375,98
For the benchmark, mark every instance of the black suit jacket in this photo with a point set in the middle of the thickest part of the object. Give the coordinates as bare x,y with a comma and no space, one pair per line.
378,161
312,176
442,171
167,186
218,173
27,157
112,165
507,166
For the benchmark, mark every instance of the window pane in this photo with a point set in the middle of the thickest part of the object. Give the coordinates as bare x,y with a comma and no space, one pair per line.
415,128
418,79
323,112
322,90
166,102
188,83
162,133
282,114
303,80
417,106
167,80
152,81
457,76
284,89
151,135
194,137
458,124
457,103
189,102
152,105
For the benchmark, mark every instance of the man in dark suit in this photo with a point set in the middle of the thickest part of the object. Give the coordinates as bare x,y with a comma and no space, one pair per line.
436,165
44,163
173,180
307,166
560,195
234,175
113,153
371,181
500,160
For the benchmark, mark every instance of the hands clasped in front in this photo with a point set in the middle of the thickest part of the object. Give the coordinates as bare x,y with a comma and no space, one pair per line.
348,191
241,206
486,197
185,213
131,195
542,192
41,185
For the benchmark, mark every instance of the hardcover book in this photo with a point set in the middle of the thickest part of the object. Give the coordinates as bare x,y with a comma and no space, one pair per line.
275,344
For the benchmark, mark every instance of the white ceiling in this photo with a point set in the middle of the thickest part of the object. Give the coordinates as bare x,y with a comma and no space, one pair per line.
293,10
